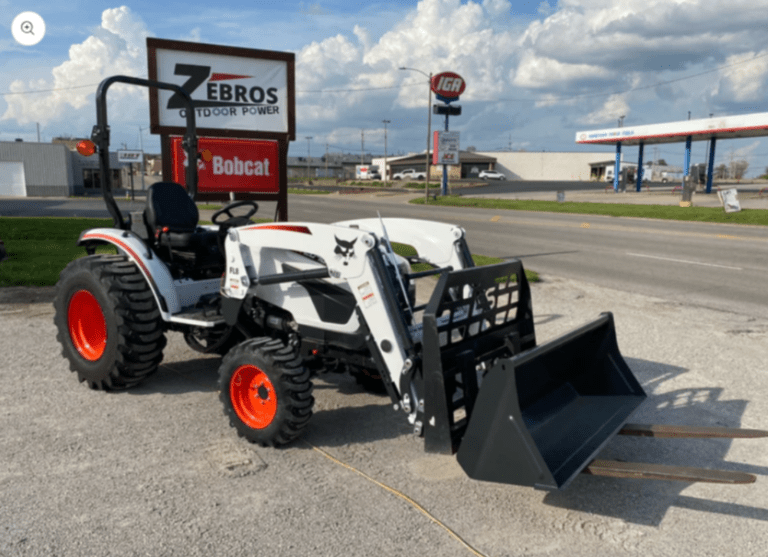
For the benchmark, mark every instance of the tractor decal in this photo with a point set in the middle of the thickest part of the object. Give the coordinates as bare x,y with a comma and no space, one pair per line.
345,249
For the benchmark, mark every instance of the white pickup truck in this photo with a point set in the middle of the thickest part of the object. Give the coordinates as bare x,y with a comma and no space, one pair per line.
410,174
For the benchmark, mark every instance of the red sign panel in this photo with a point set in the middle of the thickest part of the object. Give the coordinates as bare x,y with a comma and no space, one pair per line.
236,165
448,84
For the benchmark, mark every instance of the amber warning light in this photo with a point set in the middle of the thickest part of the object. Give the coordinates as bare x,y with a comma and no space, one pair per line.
206,155
86,147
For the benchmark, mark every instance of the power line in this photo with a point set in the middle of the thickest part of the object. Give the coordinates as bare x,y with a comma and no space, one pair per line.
401,86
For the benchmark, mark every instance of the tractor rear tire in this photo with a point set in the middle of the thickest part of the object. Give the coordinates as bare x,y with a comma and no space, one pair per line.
266,391
108,322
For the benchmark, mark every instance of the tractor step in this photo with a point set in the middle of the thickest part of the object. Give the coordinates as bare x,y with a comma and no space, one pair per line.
644,471
691,432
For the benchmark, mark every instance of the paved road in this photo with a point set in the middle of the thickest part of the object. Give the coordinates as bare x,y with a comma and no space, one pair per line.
711,265
716,266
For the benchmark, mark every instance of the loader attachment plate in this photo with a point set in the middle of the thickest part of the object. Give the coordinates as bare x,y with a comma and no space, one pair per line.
541,416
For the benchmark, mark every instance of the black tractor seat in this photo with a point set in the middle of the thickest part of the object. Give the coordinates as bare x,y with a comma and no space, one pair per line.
172,223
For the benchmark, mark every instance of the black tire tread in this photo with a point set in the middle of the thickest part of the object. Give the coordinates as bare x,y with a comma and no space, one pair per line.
284,367
140,329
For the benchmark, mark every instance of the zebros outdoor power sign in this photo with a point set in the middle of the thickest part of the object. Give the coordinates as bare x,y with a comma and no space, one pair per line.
236,165
236,92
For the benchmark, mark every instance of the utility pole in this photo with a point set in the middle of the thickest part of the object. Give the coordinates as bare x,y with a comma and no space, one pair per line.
326,160
308,138
38,132
141,148
362,146
385,151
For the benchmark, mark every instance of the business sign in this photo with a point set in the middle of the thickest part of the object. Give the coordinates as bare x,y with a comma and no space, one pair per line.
448,86
237,92
446,149
129,156
236,165
730,200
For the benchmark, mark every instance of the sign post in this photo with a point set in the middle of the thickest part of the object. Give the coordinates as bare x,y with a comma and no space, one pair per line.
447,86
238,93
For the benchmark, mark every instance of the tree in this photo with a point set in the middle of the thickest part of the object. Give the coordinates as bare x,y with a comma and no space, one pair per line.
721,172
739,169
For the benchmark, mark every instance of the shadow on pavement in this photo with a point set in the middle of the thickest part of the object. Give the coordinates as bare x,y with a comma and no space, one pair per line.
647,501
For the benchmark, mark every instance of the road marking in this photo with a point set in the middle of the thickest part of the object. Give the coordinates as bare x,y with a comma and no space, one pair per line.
585,225
497,218
686,261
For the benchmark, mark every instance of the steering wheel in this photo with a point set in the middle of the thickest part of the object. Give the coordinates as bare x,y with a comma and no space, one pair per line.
239,219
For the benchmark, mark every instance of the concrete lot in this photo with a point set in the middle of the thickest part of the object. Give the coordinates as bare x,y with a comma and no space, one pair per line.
158,471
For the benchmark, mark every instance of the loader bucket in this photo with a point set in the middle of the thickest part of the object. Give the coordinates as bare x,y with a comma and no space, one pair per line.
542,415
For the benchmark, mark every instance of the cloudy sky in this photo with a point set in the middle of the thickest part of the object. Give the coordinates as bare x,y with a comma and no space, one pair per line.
536,71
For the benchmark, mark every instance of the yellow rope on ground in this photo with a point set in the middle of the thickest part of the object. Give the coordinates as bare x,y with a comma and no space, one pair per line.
403,496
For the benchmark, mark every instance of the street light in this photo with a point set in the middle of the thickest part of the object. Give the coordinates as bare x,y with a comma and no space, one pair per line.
308,138
385,151
621,121
429,123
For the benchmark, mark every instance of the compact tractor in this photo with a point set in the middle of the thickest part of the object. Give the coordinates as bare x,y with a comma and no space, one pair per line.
283,302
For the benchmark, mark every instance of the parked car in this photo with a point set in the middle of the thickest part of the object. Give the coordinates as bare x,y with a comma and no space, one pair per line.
410,174
491,175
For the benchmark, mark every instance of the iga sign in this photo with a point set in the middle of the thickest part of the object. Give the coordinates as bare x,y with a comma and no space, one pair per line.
446,148
236,165
448,86
236,91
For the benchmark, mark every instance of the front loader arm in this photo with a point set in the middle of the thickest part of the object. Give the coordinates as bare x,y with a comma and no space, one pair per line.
437,243
255,266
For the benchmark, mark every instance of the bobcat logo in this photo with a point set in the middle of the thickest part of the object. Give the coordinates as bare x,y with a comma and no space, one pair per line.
344,249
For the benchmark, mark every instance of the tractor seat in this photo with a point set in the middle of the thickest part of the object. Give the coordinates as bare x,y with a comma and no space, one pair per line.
172,218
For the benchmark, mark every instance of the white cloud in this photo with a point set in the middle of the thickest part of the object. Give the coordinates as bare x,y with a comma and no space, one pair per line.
612,109
537,72
115,47
745,82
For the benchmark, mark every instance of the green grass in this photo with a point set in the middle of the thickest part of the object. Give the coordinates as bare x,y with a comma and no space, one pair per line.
300,191
404,250
667,212
39,248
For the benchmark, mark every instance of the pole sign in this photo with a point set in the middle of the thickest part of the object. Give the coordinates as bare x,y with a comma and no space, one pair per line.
129,156
237,92
236,165
447,151
448,86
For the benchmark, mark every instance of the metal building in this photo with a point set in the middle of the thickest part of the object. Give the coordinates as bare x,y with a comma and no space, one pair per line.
51,170
35,169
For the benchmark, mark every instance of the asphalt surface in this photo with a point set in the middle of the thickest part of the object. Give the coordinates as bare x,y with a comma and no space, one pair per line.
158,471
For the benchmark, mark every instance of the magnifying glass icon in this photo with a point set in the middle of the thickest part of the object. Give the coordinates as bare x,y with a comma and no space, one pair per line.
28,28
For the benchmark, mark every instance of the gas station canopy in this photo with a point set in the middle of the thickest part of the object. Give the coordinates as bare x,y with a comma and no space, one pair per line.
712,129
724,127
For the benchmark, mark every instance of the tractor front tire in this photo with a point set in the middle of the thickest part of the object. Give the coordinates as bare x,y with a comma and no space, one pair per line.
107,322
266,391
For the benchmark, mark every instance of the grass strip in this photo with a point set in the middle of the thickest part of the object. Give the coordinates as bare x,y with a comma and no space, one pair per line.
38,248
404,250
666,212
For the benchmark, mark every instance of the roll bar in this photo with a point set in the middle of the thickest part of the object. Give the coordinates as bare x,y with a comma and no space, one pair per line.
100,136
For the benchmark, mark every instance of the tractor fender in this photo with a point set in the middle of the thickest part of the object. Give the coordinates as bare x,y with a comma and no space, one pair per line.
155,272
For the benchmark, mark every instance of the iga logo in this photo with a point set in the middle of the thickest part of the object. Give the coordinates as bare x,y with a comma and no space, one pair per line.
220,94
448,85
